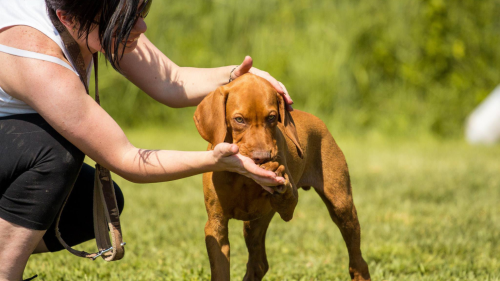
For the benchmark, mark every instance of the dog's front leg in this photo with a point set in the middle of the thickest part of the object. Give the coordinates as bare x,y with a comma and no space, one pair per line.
217,241
285,197
285,200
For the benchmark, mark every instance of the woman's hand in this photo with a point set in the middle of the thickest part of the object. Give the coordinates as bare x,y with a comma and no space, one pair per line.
227,158
246,66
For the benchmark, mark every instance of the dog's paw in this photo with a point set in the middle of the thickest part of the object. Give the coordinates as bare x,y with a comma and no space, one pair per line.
271,166
279,170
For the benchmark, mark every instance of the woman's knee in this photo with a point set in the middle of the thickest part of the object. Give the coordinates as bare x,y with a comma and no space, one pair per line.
67,160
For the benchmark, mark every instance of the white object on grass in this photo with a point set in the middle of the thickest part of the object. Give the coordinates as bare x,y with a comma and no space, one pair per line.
483,125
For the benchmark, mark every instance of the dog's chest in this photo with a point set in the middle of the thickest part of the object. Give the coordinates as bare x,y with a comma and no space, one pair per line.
241,198
248,209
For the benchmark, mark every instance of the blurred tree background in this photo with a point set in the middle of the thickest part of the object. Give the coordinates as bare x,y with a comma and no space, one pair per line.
398,68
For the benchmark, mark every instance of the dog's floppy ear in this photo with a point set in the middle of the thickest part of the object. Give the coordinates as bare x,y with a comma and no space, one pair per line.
287,121
210,117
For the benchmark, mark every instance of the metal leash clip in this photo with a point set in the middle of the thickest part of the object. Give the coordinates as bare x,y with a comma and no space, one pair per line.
100,253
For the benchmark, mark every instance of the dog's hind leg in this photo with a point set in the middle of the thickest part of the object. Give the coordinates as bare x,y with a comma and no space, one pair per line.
255,238
335,190
217,241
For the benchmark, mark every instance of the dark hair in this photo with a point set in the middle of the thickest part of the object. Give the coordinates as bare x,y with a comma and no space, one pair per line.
115,20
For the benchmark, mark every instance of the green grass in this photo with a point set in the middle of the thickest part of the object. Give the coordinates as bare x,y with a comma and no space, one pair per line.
429,211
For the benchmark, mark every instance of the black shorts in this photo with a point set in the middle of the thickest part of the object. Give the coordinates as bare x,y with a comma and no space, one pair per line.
38,167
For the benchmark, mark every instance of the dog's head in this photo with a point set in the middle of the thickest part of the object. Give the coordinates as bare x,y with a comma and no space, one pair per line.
246,112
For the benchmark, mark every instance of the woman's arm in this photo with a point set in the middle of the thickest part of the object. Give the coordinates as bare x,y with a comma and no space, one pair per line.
154,73
150,70
59,97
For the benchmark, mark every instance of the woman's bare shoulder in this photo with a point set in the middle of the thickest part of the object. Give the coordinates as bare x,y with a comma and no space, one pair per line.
24,78
30,39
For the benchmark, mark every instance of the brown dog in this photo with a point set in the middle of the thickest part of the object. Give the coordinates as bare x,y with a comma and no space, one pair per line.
297,145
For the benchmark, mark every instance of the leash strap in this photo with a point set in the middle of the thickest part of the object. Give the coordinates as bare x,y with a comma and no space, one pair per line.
106,213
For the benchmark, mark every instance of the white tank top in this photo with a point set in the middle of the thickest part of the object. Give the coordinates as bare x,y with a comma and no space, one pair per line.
31,13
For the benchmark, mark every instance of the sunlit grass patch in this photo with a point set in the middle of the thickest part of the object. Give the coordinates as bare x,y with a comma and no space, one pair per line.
428,211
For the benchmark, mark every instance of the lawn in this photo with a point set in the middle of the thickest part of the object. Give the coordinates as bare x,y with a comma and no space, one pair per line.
429,210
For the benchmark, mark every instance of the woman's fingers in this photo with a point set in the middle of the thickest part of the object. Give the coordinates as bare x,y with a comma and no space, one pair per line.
281,90
265,181
246,66
243,68
268,189
269,78
229,159
285,92
226,149
286,97
261,176
252,168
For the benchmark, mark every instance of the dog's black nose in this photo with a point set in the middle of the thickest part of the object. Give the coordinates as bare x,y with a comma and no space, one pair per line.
260,157
259,160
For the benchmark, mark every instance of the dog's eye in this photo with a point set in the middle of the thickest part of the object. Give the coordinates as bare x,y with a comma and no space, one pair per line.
271,118
239,120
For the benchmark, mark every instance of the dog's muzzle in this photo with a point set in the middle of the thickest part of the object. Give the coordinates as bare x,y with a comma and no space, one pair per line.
260,157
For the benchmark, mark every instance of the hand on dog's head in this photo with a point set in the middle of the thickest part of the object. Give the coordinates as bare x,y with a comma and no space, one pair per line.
246,112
